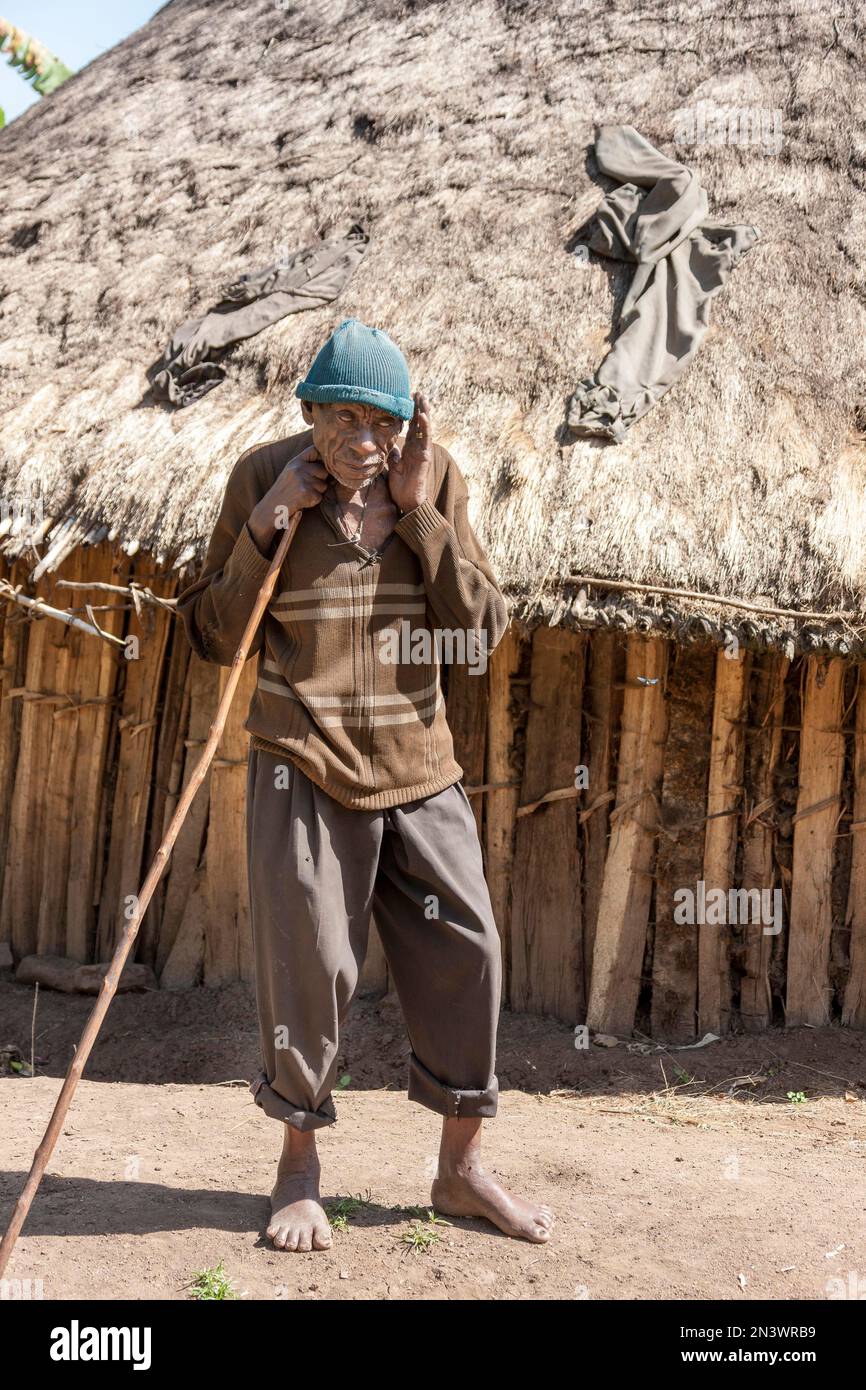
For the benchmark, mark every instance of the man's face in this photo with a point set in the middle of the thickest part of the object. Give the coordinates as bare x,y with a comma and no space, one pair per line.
353,439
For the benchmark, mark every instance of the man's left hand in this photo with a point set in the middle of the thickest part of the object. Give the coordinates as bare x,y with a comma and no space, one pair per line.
410,469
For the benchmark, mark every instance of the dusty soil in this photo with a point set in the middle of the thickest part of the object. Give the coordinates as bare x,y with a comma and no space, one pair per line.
674,1174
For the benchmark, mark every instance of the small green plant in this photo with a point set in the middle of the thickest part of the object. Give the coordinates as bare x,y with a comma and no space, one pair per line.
343,1083
682,1077
11,1060
797,1097
420,1237
338,1212
41,69
210,1284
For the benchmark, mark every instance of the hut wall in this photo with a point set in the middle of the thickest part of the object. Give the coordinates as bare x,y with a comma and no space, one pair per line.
617,781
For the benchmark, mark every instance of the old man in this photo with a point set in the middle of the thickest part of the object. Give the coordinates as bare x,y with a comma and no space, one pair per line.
354,801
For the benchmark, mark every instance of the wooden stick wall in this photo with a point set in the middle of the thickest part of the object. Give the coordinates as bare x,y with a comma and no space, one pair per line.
608,773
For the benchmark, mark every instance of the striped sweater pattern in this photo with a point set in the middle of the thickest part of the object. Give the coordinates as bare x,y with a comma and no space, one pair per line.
348,654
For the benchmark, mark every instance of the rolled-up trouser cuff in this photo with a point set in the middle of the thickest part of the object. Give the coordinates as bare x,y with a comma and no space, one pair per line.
450,1100
280,1109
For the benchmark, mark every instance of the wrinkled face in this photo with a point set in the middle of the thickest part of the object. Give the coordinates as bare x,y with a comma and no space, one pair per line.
353,439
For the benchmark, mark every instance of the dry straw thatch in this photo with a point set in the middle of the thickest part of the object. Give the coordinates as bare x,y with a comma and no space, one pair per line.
460,136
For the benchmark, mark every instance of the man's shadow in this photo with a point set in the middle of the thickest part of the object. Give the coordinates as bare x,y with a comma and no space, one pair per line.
94,1207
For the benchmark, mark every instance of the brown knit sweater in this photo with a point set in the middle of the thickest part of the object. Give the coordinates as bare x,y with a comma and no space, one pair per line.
369,730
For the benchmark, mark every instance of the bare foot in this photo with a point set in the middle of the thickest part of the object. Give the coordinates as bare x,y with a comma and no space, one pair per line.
469,1191
298,1220
462,1187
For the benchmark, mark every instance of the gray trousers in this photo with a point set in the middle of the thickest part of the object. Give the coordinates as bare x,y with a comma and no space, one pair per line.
317,871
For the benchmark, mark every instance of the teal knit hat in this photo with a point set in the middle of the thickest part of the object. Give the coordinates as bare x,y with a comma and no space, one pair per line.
358,363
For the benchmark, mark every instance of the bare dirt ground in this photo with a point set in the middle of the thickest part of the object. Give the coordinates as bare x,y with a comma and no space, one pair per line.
674,1175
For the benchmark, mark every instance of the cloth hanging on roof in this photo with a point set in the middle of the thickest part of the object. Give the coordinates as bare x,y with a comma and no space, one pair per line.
657,218
311,277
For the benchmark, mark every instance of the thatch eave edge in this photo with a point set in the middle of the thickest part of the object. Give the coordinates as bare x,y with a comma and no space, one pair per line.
688,623
683,622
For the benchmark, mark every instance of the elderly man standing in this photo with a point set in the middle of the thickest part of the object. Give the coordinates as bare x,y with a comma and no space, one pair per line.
354,805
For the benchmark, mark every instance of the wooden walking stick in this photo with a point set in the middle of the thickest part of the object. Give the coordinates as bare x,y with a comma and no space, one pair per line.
130,931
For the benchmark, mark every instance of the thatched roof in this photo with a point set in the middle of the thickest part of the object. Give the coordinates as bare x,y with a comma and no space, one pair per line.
460,136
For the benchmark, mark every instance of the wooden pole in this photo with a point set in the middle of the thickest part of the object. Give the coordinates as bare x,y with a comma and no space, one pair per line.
604,704
97,680
623,909
822,762
466,706
130,931
546,927
228,945
716,600
134,777
680,855
502,802
854,1006
724,797
764,746
203,691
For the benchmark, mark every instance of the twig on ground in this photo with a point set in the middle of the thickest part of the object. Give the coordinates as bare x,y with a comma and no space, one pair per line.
33,1031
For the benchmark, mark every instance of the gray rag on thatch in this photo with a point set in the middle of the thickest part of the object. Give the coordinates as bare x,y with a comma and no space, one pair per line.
311,277
657,218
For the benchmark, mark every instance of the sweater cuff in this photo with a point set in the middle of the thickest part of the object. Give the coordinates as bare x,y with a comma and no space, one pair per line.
420,523
246,557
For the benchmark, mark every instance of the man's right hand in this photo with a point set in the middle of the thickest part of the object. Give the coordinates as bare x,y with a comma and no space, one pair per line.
302,483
